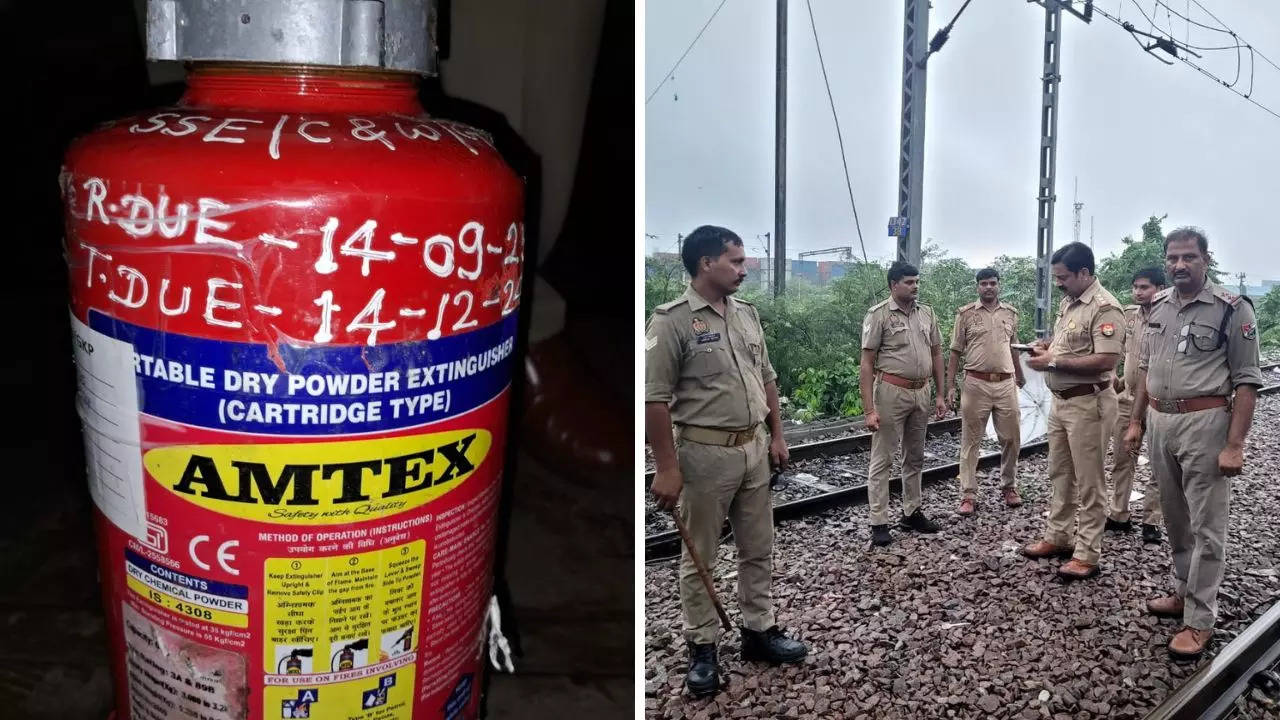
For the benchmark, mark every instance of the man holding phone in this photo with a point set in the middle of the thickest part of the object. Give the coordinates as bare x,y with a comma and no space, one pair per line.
983,333
1087,343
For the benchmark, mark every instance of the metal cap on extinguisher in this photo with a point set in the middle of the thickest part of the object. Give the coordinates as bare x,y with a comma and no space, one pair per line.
384,34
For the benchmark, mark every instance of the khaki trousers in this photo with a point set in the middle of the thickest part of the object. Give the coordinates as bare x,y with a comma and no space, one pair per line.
1078,431
730,482
904,415
980,400
1123,466
1196,499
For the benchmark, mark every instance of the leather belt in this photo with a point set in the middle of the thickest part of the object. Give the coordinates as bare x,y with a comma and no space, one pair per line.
902,382
1078,390
1187,405
989,377
722,438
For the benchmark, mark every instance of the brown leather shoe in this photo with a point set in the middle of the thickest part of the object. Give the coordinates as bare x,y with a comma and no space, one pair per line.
1189,643
1045,549
1011,497
966,507
1169,606
1076,570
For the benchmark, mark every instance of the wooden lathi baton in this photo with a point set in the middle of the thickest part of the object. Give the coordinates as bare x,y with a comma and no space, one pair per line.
702,571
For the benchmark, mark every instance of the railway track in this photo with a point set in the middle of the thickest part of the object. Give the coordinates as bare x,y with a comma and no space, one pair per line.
986,581
1212,692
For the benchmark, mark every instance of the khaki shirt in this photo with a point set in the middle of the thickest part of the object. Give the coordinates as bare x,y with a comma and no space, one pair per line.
904,341
1091,324
1181,348
711,368
983,336
1135,319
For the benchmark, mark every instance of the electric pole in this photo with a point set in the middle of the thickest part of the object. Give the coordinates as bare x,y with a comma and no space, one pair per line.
1049,148
780,157
768,262
915,50
1090,232
1075,223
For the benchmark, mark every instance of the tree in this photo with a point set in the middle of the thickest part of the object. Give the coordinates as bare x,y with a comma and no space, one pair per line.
1018,288
1116,270
664,280
1268,311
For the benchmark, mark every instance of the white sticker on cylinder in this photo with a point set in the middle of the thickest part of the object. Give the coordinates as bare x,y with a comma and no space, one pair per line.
170,676
108,405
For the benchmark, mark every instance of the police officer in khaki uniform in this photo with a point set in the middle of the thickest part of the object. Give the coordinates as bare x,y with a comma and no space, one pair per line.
1146,283
1199,375
983,333
1088,339
707,371
901,348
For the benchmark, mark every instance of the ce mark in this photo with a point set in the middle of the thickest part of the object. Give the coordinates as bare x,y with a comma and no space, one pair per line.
223,555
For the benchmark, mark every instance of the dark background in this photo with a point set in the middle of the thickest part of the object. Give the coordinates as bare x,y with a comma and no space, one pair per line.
566,545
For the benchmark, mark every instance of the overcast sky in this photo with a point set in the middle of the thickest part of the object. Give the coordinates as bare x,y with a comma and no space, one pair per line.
1143,137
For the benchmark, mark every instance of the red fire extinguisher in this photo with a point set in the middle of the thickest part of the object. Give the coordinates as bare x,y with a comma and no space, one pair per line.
293,301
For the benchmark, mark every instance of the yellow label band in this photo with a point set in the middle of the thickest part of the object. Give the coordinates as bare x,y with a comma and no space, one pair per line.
320,483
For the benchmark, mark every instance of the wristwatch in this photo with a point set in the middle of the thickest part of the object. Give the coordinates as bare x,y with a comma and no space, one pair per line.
1053,365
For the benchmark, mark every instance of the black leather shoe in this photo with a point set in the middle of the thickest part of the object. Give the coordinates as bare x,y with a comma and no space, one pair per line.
1117,526
918,522
704,673
880,535
772,646
1150,534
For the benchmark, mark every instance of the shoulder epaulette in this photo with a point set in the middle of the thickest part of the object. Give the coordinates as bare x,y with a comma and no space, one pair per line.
1008,306
878,305
1131,308
665,308
1163,294
1229,297
966,308
744,302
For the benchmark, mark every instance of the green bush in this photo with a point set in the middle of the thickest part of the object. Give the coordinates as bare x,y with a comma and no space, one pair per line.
828,392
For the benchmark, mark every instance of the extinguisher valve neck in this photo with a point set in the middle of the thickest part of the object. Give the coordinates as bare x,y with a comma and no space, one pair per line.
382,34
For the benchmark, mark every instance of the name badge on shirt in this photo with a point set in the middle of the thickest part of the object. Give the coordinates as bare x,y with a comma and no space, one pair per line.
708,337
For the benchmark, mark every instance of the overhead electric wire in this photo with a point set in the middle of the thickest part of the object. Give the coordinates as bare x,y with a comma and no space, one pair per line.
1229,86
839,137
1193,22
1233,34
672,71
1169,34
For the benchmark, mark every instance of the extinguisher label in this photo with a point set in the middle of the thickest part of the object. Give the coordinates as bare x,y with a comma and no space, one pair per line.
325,514
196,597
345,624
320,483
308,389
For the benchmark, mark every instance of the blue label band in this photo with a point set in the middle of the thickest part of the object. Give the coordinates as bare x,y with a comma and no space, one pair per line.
323,390
204,585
